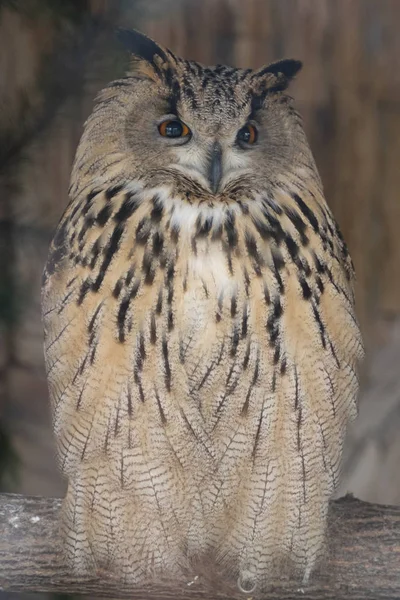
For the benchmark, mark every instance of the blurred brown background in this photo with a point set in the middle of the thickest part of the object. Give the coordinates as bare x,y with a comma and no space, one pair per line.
56,54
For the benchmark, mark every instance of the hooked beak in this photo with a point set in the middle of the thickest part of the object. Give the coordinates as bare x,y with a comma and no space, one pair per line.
215,168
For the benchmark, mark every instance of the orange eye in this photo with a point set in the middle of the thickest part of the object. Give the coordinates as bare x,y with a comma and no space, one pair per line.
173,129
247,135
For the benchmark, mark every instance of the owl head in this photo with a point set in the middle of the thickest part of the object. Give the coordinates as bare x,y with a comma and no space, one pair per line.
208,132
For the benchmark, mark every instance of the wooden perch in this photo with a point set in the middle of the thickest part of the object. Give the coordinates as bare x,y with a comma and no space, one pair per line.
363,558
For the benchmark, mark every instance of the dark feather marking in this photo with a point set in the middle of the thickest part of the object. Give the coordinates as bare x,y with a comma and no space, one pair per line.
198,438
113,191
276,228
117,288
270,204
147,267
246,281
64,302
170,320
95,251
94,317
267,297
234,305
153,329
220,406
245,319
292,247
123,308
160,408
305,288
129,276
205,288
307,212
218,314
235,341
167,368
273,382
230,373
251,246
127,208
321,267
214,363
320,284
246,356
299,224
274,335
253,383
337,287
279,263
71,281
320,324
278,310
229,260
277,354
159,301
170,273
55,257
141,352
85,444
129,399
334,354
170,295
110,250
134,289
84,289
230,229
299,425
258,432
117,419
138,382
175,229
157,210
58,336
104,214
143,231
93,351
158,243
203,228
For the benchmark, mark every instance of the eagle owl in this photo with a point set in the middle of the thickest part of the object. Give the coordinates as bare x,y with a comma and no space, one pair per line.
200,337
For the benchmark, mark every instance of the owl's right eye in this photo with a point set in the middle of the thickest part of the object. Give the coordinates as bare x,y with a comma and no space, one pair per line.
173,129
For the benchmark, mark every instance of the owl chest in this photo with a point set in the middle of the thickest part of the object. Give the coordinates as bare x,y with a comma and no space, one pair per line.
215,312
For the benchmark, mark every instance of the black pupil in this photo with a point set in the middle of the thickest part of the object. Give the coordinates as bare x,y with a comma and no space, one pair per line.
245,134
174,129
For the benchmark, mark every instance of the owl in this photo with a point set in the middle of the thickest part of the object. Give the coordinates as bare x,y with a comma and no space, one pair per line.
201,342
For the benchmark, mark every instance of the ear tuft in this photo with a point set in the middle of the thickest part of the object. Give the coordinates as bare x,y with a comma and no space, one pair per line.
287,67
140,45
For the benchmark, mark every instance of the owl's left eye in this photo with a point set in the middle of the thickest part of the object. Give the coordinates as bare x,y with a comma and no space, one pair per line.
247,135
173,129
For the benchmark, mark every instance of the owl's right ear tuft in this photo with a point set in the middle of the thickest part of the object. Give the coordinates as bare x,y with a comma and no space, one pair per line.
140,45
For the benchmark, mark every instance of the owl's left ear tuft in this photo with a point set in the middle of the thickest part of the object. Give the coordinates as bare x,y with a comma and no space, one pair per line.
140,45
287,67
278,75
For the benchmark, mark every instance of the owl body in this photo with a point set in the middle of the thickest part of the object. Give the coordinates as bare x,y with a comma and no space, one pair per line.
201,343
